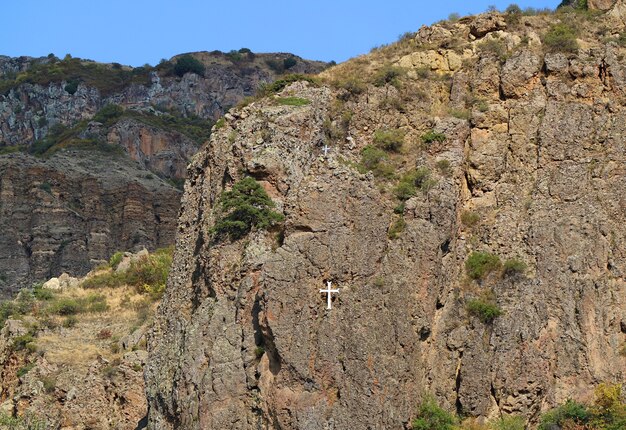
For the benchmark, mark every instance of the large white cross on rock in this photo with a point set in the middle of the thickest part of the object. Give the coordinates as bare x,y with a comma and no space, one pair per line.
329,292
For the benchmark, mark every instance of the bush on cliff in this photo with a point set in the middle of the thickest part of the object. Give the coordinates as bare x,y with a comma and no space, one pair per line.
432,417
243,208
188,64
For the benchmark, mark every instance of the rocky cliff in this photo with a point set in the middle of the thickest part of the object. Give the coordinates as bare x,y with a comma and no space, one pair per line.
470,210
110,141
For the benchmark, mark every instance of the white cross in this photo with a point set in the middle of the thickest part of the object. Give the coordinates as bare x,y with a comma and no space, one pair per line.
329,292
326,149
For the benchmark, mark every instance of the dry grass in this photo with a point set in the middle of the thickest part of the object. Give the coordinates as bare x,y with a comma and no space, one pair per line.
79,345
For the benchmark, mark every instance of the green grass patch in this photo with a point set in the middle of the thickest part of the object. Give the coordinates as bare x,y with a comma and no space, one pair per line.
293,101
485,310
479,264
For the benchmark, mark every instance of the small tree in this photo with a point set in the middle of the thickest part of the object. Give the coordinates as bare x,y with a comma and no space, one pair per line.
188,64
243,208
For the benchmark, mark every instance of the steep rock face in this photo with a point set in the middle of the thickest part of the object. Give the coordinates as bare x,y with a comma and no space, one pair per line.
242,339
72,211
166,153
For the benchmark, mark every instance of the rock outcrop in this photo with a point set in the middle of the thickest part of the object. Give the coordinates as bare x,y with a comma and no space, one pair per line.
521,154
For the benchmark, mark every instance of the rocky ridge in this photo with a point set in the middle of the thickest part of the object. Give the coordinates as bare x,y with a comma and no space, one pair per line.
514,146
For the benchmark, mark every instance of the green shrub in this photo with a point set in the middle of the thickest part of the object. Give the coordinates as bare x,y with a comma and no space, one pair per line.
493,47
388,75
280,84
70,321
293,101
259,351
485,310
24,370
72,86
188,64
66,306
480,264
389,139
398,226
289,62
570,412
45,186
24,422
151,271
375,160
433,136
352,85
49,383
514,267
220,123
243,208
41,293
461,114
412,181
432,417
116,259
513,14
25,341
109,114
561,38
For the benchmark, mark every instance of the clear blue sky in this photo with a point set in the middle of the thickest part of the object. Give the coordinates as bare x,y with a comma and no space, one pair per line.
136,32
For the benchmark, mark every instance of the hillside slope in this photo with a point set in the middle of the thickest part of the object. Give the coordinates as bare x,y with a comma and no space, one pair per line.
470,210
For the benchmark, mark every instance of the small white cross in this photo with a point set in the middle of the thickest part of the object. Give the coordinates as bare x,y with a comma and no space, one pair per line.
329,292
326,149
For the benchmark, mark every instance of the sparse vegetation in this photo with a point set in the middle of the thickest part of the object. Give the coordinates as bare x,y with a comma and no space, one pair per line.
418,179
293,101
377,161
469,218
259,351
389,139
398,226
432,136
480,264
148,275
389,75
74,71
116,259
561,37
247,206
514,267
444,167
